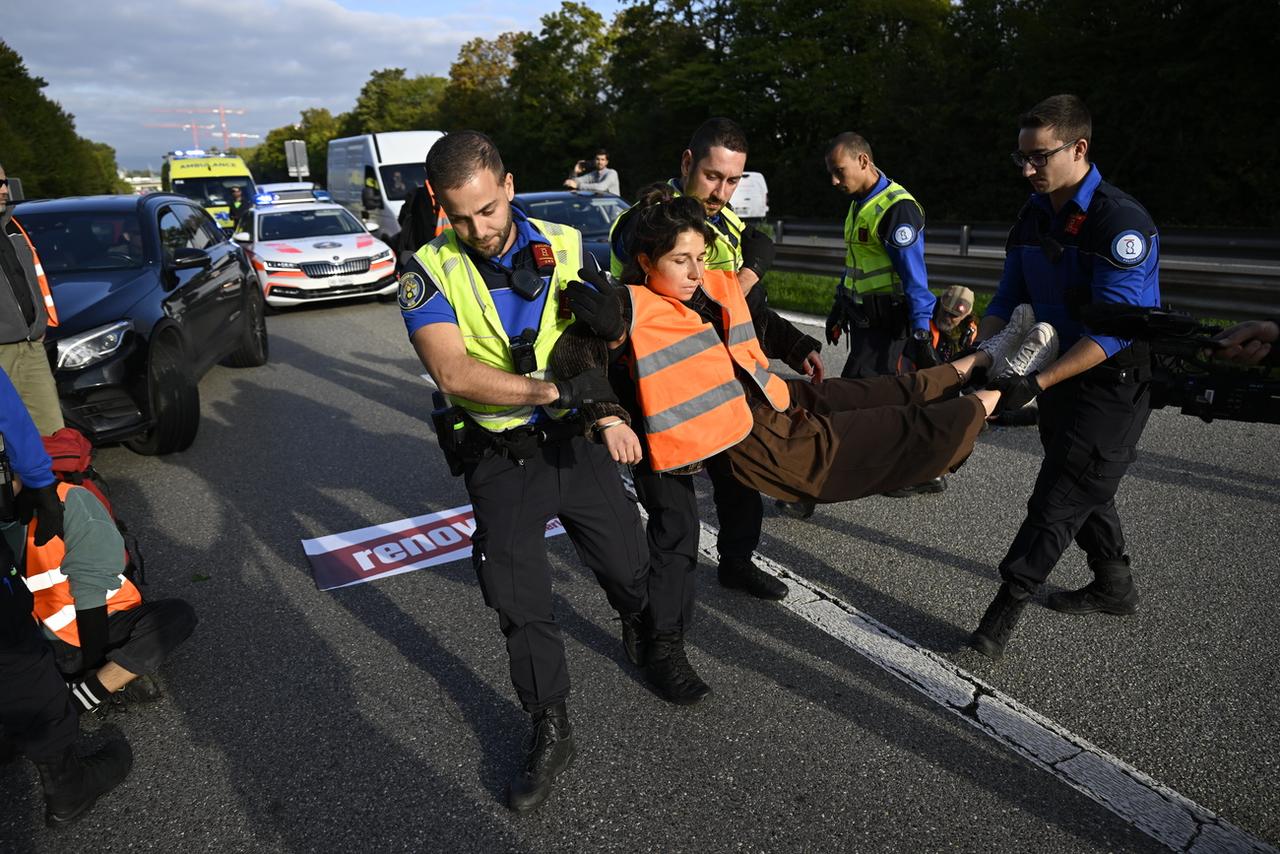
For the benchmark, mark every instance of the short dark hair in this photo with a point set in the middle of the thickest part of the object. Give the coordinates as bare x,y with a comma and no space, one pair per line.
851,143
661,217
1066,114
601,151
717,132
457,157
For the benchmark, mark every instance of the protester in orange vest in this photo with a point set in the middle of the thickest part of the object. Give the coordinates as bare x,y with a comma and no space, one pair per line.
954,326
106,639
26,310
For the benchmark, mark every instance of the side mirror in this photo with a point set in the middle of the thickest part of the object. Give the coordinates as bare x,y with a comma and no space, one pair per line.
371,226
187,258
242,237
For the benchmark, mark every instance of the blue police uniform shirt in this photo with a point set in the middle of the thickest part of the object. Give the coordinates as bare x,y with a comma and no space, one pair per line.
901,232
22,441
1108,251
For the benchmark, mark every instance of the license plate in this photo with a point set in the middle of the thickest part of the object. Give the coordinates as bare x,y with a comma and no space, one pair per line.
338,281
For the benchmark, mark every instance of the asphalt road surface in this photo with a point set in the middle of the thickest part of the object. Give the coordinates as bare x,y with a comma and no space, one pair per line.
849,718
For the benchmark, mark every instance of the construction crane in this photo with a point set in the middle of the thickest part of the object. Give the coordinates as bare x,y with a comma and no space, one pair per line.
221,112
195,130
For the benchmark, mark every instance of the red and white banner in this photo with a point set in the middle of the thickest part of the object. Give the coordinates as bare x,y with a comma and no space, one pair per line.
341,560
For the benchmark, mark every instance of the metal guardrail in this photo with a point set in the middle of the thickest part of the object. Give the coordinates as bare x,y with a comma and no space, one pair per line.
1227,275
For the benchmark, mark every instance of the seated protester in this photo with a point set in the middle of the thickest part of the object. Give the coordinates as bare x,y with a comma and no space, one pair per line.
954,325
703,383
107,641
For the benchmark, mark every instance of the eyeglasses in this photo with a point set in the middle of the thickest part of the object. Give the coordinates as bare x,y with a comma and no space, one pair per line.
4,182
1039,159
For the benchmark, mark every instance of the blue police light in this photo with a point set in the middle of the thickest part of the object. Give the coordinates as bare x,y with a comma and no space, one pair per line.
322,196
264,198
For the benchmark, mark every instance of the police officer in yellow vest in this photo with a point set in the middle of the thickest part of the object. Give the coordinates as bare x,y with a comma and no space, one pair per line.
483,307
710,170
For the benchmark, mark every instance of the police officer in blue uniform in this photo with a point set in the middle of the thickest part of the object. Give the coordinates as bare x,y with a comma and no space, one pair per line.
36,713
1078,240
483,307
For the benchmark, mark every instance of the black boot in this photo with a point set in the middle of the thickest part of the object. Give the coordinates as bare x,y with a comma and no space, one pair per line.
634,640
551,754
670,672
740,573
72,783
1111,592
929,487
801,509
997,624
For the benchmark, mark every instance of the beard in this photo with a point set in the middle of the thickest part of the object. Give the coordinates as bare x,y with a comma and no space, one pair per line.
491,245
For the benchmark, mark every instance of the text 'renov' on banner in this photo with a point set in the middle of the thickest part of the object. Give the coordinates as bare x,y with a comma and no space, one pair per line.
341,560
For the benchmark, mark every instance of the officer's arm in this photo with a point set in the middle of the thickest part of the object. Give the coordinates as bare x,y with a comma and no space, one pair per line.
757,257
445,357
1082,356
1125,252
902,235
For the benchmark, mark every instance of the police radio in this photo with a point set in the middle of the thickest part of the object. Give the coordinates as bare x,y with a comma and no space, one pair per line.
7,512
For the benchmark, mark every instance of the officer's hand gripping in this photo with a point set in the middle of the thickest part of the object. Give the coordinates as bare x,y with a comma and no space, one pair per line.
587,387
44,505
1015,391
599,307
923,354
835,322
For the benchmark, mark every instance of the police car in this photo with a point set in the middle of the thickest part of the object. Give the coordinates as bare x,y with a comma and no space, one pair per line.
307,249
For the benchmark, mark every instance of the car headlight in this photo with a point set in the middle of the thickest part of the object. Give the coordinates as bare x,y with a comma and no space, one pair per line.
92,346
381,256
279,265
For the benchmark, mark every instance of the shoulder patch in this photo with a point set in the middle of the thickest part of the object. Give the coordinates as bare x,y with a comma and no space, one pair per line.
413,291
1128,248
903,236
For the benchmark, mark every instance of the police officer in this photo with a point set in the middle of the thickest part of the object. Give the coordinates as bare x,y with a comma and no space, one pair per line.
883,298
483,308
710,170
1077,240
36,713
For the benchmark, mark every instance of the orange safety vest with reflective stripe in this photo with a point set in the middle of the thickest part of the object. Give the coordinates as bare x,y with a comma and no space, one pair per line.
49,307
689,394
55,607
442,221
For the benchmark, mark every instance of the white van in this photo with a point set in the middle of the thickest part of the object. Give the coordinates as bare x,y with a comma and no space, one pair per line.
389,165
751,199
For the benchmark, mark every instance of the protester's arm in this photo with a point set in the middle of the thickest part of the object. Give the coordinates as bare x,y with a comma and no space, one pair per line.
1250,343
95,554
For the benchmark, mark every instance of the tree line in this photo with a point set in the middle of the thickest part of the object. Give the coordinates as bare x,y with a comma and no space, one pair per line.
39,143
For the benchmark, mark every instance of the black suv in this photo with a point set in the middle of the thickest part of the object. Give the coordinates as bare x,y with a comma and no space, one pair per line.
150,294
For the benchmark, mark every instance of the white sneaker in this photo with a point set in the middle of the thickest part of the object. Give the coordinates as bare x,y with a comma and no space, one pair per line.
1039,348
1006,342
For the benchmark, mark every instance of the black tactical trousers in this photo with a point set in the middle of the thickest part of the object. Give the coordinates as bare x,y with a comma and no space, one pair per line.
1089,427
140,639
513,502
672,535
873,353
739,511
35,706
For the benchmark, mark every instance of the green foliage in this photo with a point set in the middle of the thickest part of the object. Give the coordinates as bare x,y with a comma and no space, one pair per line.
810,294
39,144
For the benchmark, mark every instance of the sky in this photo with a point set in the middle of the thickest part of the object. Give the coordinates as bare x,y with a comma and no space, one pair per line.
115,65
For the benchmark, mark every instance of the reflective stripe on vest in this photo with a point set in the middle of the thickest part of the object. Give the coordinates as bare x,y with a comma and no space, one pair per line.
689,392
724,254
54,605
49,308
868,269
482,332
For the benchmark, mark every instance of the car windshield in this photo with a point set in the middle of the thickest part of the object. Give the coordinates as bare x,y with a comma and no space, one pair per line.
210,192
293,225
400,179
592,215
80,241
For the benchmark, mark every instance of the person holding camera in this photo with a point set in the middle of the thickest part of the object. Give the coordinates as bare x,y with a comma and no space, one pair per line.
600,180
483,308
1250,343
1078,240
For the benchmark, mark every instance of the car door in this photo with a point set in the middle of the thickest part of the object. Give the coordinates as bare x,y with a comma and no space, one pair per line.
229,275
192,298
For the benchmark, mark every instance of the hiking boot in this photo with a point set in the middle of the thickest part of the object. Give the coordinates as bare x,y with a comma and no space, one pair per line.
740,573
932,486
72,783
996,625
1112,591
634,641
671,674
550,756
144,689
1039,348
801,509
1008,340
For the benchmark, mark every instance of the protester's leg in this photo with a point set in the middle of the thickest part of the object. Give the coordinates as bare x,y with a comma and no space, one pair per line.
28,367
141,639
672,535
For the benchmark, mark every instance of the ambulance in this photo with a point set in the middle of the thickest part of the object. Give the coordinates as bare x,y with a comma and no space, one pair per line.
208,179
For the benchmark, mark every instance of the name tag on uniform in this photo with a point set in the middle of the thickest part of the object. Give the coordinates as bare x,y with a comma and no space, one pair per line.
863,235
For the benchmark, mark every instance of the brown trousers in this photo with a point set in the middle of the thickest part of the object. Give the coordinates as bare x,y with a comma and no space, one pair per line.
845,439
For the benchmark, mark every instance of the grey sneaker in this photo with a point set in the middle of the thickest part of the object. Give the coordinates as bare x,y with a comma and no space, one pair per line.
1039,348
1006,342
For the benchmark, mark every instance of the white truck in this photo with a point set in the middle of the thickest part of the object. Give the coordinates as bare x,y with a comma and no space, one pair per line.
751,199
372,174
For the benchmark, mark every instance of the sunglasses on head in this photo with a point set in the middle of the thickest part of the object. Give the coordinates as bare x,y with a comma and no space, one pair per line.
4,182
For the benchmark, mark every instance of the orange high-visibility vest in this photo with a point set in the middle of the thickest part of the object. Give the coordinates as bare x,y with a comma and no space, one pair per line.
49,307
442,221
55,607
693,404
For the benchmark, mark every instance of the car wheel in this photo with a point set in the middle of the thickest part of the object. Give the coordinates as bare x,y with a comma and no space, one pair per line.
253,349
175,403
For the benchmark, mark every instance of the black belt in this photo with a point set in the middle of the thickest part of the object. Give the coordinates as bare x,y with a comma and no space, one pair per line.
520,443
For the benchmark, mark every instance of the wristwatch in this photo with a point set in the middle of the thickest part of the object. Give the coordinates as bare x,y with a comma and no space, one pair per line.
920,335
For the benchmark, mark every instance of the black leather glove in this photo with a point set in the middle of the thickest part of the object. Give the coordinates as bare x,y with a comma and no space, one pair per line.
835,322
923,354
91,625
1015,392
598,308
43,504
758,252
587,387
